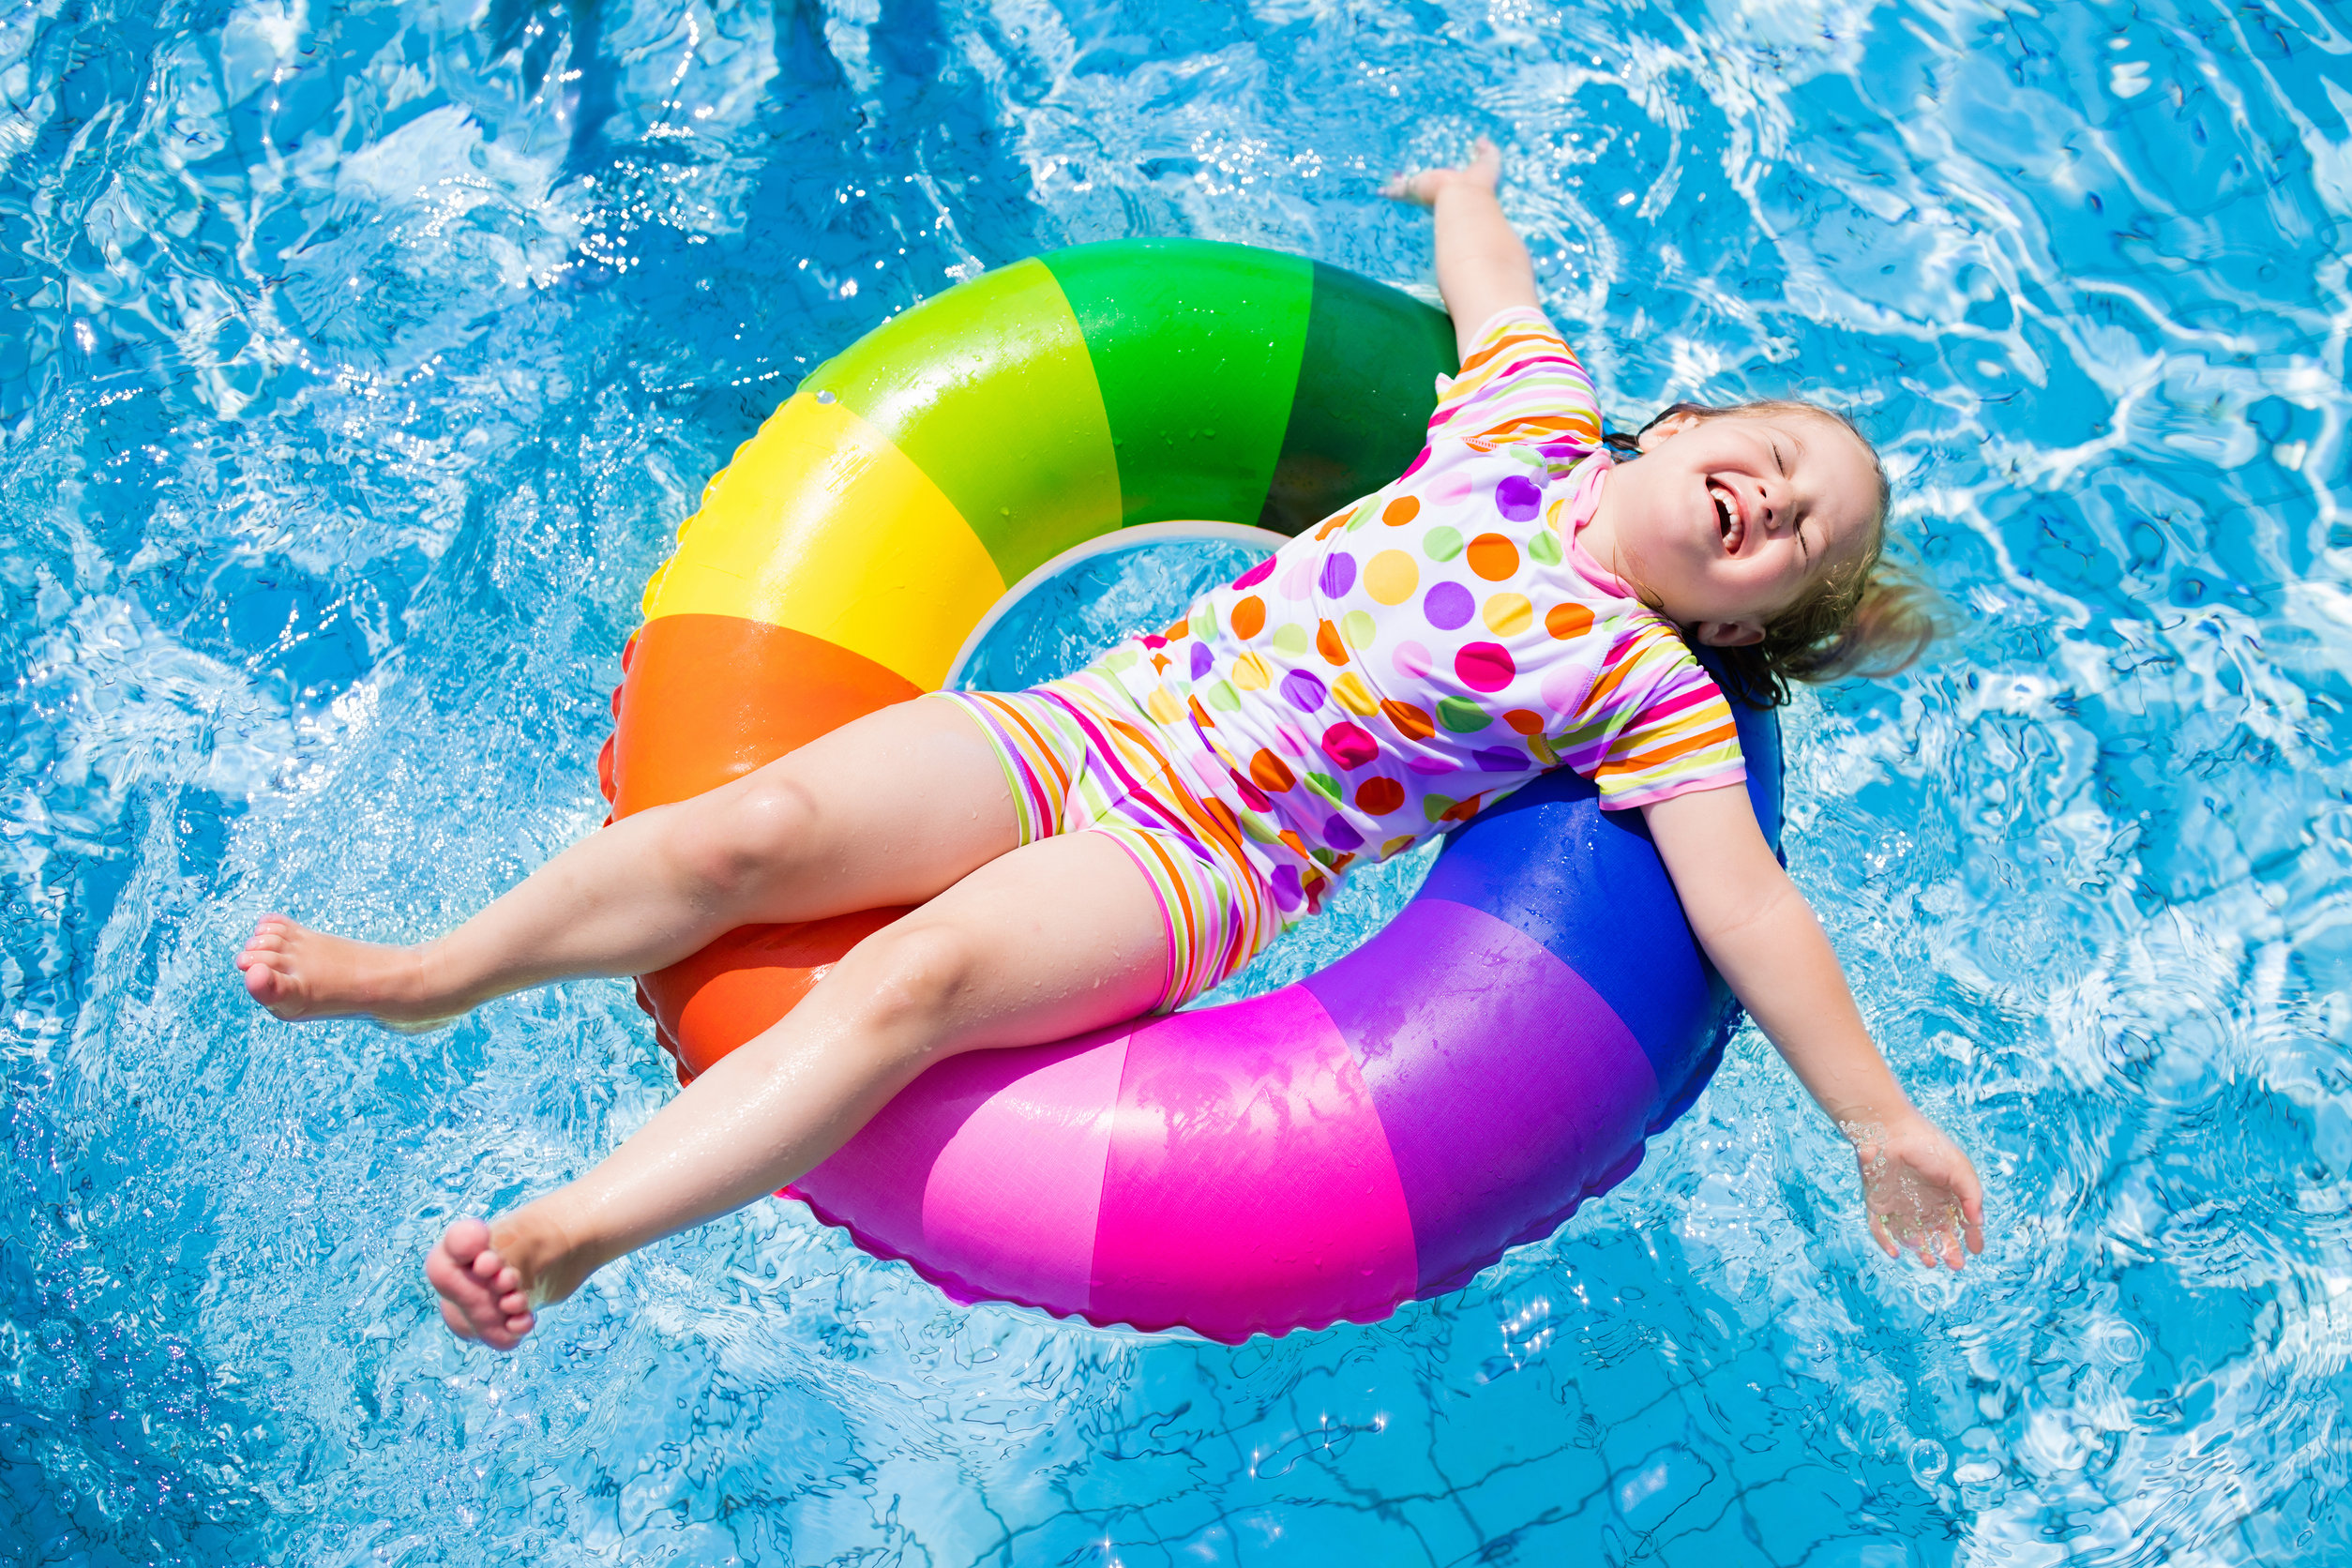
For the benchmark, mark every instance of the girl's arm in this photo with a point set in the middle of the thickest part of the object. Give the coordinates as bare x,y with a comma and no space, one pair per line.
1482,266
1765,940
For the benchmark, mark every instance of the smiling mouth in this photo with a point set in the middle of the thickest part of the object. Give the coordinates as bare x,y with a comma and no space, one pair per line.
1726,519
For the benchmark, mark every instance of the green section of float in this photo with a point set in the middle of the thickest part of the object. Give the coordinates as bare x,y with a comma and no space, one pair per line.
989,390
1197,348
1366,389
1144,381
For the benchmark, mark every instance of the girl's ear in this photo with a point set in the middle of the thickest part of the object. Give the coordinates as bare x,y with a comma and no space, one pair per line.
1727,634
1672,425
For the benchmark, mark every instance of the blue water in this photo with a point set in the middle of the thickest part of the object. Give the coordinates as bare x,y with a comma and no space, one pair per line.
355,364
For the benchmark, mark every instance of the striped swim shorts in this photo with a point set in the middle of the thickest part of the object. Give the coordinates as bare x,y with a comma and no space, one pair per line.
1079,757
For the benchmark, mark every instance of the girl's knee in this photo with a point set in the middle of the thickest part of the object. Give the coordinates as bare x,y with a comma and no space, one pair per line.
917,971
743,838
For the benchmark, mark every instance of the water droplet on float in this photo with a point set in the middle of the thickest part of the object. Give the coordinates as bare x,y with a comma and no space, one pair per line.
825,396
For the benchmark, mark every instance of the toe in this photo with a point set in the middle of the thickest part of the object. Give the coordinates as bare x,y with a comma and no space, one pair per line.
465,1241
457,1322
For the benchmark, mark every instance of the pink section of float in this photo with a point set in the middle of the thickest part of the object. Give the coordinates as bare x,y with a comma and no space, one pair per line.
1241,1183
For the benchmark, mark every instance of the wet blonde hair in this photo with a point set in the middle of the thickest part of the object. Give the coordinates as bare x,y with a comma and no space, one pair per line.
1871,616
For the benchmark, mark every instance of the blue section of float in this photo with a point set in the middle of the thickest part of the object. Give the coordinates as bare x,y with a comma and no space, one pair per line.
1536,861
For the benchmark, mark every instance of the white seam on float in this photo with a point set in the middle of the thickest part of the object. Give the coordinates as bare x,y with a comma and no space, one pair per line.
1118,538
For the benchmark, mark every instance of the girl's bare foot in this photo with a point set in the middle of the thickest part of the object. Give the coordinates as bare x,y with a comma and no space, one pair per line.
297,972
489,1281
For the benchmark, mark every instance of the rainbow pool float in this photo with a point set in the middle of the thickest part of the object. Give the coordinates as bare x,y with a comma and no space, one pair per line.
1379,1132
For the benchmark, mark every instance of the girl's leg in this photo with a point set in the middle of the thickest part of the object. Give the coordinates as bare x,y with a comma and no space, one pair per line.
888,809
1052,940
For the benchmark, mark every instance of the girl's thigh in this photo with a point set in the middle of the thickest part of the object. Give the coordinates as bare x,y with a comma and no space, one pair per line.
1054,939
890,808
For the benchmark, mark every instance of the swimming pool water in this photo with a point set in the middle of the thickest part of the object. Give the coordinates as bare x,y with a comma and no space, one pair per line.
356,362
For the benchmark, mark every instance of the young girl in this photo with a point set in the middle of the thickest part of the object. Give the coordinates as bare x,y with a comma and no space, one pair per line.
1511,573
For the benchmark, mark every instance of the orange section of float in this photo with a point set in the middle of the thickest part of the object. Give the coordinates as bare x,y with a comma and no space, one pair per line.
708,1004
822,526
709,697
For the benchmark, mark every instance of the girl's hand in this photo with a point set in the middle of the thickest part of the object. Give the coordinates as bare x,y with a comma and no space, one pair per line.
1421,187
1923,1192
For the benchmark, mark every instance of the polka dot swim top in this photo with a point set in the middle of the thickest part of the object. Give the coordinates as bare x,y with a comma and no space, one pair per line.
1420,655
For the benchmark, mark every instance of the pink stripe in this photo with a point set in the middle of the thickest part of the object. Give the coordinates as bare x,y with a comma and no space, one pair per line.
1249,1183
1013,1195
1705,691
988,1169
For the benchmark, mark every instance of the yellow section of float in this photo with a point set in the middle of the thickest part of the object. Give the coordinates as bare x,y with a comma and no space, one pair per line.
822,526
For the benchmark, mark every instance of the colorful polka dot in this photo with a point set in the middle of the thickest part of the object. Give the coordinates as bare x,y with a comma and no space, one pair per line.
1303,690
1202,659
1291,638
1564,686
1411,661
1435,806
1256,573
1339,835
1543,548
1328,645
1499,759
1297,580
1450,489
1251,673
1412,723
1448,606
1390,577
1527,721
1462,716
1403,509
1358,629
1350,693
1252,796
1162,705
1377,796
1286,887
1518,497
1249,618
1350,745
1505,614
1402,841
1441,543
1485,666
1339,574
1222,697
1269,772
1494,557
1564,620
1324,785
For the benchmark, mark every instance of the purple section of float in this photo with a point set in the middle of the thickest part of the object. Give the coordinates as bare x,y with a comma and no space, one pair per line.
1507,1098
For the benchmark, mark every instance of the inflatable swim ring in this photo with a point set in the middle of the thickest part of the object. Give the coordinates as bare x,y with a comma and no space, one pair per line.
1380,1131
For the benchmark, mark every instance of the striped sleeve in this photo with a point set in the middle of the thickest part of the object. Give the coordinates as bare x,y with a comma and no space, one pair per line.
1655,725
1519,385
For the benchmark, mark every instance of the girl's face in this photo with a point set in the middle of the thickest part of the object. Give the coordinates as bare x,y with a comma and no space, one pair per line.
1728,523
